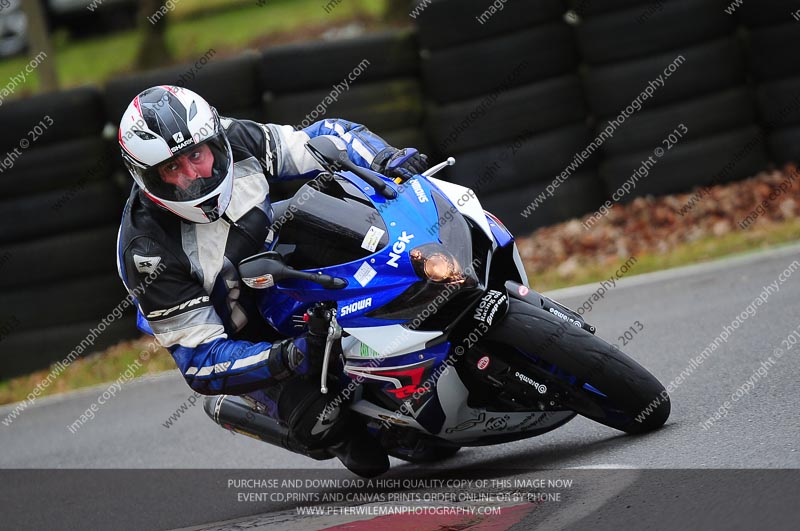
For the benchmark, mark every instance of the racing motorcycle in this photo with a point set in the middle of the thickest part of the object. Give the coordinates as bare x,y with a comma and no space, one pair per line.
443,342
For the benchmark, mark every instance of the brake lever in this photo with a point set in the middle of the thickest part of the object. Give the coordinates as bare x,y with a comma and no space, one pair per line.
430,172
334,333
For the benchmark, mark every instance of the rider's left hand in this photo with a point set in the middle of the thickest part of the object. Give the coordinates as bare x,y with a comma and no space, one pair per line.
404,164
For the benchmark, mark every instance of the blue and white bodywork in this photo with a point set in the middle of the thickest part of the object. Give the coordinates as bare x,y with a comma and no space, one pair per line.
418,279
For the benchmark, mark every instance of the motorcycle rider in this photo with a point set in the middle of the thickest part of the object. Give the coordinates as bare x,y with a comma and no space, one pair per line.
199,205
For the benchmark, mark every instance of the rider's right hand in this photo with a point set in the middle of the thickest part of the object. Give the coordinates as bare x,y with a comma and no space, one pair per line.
302,356
318,321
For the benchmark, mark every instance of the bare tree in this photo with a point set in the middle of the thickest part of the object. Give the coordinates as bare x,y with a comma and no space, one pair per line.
153,50
39,41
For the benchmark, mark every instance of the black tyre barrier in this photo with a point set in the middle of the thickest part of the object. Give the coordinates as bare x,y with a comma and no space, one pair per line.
779,102
74,113
578,195
408,137
706,68
57,303
784,145
766,12
255,113
57,166
618,36
521,162
383,105
228,84
716,159
472,69
60,211
504,116
703,116
38,348
446,23
772,51
320,64
585,8
65,256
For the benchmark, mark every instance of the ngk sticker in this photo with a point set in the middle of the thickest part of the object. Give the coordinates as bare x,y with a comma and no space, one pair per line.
483,363
399,246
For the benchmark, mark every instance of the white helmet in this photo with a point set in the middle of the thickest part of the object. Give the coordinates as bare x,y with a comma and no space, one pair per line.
161,129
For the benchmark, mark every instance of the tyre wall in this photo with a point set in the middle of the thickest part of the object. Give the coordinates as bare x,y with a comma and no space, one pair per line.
520,92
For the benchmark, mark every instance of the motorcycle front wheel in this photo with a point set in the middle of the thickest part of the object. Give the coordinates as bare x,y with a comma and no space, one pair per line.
582,372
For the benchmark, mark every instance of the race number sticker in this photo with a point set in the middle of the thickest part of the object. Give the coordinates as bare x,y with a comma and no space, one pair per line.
364,274
372,239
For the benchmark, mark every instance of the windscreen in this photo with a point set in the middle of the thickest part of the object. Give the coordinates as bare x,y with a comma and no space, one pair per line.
330,222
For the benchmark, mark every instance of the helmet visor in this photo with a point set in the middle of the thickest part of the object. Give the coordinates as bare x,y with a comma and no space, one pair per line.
192,173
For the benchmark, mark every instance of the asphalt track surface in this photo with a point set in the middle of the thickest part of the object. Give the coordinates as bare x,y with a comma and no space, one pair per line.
727,476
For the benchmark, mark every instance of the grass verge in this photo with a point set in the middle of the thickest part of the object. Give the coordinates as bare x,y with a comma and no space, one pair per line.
189,35
94,369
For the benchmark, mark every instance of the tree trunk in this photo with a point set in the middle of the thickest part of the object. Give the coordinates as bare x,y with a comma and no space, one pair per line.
153,51
39,42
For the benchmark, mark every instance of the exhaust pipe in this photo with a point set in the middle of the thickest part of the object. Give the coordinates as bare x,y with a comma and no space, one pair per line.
241,418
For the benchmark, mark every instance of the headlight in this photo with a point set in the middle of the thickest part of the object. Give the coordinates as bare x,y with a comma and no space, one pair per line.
433,262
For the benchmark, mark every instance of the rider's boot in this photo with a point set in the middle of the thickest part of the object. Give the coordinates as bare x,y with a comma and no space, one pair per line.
318,421
360,452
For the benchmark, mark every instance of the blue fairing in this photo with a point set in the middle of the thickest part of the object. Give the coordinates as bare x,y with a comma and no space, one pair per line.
382,273
406,219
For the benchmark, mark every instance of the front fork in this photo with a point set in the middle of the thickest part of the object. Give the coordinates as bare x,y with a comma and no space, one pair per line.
491,308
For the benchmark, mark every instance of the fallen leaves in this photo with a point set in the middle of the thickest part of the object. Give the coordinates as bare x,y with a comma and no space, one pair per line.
656,225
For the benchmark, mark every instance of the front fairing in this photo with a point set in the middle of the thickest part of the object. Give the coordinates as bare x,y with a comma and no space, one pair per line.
343,228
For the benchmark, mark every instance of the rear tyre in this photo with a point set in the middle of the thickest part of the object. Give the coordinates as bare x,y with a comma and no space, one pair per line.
630,399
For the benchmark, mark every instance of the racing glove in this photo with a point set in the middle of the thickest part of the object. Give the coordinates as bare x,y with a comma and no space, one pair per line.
400,164
303,356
